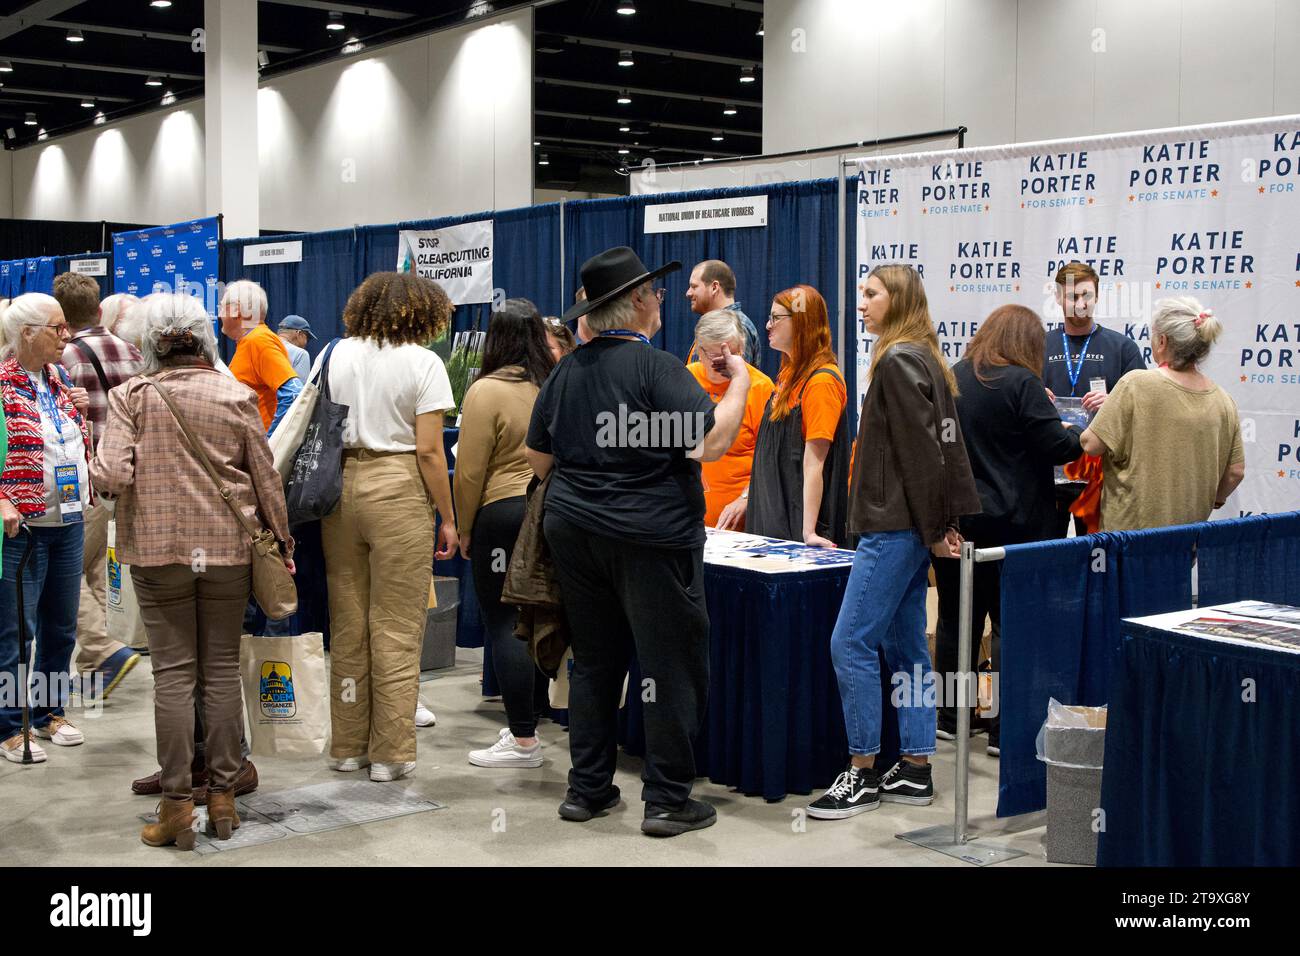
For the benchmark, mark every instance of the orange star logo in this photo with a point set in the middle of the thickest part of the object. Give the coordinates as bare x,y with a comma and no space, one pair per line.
1248,285
1297,283
1243,378
1281,474
1022,205
924,210
952,288
1157,285
1131,198
895,212
986,208
1091,200
1017,288
1261,188
1214,192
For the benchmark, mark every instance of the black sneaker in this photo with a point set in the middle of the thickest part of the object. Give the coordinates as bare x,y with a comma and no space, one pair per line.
579,809
854,791
908,783
665,822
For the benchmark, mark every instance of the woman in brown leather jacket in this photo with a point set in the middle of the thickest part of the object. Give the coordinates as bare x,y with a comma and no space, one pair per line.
910,482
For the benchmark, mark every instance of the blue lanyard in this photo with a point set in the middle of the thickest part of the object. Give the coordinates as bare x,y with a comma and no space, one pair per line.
1072,370
51,407
624,332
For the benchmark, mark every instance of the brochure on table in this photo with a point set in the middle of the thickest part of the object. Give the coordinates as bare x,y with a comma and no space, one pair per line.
735,549
1244,623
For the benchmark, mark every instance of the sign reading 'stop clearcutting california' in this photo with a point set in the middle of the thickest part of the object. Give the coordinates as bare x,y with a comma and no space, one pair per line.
737,213
458,258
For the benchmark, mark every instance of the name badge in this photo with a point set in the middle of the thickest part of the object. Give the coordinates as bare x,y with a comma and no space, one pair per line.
68,482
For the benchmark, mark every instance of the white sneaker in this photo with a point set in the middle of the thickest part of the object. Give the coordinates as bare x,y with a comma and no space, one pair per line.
349,764
61,733
12,749
506,752
391,771
424,716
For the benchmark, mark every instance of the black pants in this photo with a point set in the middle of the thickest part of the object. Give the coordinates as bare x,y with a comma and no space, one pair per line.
1065,496
619,597
492,541
987,602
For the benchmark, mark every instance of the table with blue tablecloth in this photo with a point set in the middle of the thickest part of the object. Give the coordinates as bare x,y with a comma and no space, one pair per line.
1202,764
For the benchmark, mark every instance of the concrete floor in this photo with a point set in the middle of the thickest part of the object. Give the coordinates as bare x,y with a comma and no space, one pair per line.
77,809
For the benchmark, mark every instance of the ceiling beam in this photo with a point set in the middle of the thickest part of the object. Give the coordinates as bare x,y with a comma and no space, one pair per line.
747,5
185,38
362,11
97,97
102,68
624,121
642,91
570,140
660,51
32,13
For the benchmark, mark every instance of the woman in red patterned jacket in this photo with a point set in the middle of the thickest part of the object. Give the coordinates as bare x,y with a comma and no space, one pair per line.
44,490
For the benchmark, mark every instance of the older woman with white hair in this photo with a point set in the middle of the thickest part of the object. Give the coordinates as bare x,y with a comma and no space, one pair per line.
726,481
1169,438
112,310
44,490
169,514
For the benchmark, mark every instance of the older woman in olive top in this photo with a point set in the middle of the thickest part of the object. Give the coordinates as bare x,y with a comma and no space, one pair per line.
491,479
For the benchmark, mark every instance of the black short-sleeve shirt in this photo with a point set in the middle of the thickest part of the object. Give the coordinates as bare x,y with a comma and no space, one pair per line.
619,417
1110,355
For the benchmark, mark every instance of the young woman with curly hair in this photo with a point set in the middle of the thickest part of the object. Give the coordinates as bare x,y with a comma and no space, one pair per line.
379,541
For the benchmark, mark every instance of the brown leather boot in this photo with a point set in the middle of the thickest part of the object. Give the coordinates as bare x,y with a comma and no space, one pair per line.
245,782
175,825
222,816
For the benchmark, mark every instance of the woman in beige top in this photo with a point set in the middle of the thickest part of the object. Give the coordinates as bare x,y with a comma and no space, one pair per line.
492,476
1169,438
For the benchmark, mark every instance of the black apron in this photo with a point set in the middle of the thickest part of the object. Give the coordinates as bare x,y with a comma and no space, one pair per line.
776,481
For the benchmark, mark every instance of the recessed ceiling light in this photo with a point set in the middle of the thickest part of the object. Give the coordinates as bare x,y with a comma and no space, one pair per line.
760,28
99,119
353,45
42,135
717,138
75,36
626,8
168,98
623,152
625,129
335,21
624,99
747,75
625,58
543,160
6,66
88,103
153,81
160,4
29,119
708,159
728,110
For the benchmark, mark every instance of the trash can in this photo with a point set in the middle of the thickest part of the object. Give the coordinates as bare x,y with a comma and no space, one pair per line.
439,649
1072,743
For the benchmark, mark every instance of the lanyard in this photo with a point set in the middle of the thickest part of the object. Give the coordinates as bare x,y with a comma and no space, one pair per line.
51,408
624,332
1072,370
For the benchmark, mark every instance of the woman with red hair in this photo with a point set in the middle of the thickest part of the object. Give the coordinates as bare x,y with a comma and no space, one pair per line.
799,486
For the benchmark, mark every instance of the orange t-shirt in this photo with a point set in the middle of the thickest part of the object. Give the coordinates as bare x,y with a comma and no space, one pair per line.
824,398
262,363
727,477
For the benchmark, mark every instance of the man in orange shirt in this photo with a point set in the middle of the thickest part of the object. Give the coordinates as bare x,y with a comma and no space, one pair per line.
726,481
261,361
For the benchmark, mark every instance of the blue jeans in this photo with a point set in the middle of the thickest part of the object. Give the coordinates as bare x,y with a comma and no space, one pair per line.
51,594
884,607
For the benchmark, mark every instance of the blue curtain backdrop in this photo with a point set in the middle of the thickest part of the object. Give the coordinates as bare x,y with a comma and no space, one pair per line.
797,245
1255,558
37,275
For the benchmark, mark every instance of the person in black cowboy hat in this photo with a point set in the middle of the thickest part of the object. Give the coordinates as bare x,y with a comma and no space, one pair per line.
623,427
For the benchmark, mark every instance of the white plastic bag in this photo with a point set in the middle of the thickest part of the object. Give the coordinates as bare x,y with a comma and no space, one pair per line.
1072,736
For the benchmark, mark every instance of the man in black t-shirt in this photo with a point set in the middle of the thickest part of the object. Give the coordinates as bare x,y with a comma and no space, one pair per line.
621,427
1080,356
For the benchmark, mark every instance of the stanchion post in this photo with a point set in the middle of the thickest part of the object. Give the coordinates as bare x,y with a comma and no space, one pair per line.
961,788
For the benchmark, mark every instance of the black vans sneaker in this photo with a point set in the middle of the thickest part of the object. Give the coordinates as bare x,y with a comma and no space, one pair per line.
665,822
908,783
580,809
854,791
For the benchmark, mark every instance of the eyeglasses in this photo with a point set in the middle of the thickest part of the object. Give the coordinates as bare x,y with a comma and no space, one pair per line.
58,327
659,295
773,317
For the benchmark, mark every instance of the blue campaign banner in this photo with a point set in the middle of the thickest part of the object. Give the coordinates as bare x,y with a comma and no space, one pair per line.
182,257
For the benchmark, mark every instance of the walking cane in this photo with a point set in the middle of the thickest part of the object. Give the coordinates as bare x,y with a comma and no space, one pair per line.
22,643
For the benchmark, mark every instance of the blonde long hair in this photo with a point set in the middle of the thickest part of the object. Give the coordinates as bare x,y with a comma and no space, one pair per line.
908,318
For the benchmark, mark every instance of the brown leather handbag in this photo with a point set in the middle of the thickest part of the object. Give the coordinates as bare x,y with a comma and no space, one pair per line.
273,586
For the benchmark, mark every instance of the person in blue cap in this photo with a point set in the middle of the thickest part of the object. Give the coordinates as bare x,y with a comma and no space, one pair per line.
295,331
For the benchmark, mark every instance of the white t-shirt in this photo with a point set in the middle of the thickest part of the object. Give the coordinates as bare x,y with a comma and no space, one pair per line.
385,387
71,451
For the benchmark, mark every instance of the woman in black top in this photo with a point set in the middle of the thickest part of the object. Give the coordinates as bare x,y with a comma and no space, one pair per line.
1014,437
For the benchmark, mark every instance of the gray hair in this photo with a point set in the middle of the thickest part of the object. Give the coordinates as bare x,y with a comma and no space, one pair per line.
114,307
170,313
720,326
248,297
1189,329
30,308
618,313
